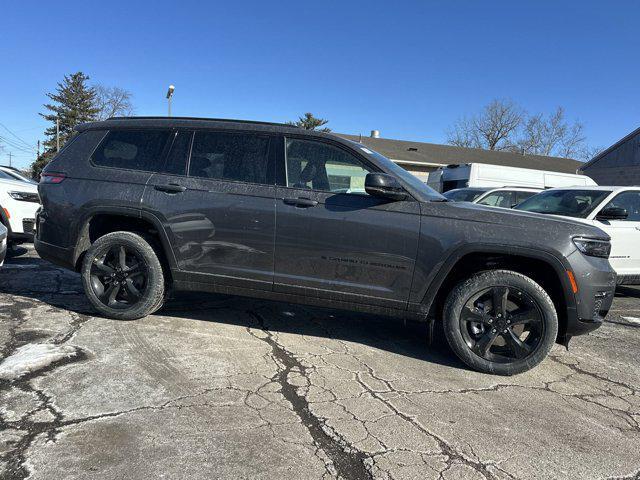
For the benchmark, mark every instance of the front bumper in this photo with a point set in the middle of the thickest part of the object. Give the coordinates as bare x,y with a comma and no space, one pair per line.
596,282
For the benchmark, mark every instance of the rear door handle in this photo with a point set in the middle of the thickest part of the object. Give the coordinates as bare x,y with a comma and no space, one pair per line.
300,202
170,188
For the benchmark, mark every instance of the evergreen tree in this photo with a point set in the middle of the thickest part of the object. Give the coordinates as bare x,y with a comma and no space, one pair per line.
73,102
309,122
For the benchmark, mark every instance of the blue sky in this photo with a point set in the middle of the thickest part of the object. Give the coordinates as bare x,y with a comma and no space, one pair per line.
408,69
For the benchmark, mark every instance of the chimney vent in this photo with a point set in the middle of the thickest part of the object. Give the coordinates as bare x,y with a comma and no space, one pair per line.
375,133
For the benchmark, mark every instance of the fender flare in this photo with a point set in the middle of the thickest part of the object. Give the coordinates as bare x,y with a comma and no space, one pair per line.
82,237
551,259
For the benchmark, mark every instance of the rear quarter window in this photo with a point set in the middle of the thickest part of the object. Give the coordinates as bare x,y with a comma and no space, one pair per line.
132,149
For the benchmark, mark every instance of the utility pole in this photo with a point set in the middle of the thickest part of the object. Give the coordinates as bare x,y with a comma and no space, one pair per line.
57,134
38,150
10,159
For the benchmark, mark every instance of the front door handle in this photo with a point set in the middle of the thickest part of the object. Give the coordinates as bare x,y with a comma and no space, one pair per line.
170,188
300,202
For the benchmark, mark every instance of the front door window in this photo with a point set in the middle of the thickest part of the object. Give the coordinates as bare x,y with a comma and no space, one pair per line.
324,167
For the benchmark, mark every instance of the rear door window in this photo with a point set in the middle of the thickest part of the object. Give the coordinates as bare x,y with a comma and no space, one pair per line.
132,149
178,155
502,199
241,157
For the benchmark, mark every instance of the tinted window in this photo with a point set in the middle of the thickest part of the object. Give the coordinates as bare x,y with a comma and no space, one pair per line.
464,194
451,184
132,149
522,196
630,201
498,199
176,163
229,156
571,203
321,166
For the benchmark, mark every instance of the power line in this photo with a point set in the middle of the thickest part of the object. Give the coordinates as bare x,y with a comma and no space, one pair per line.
17,146
14,135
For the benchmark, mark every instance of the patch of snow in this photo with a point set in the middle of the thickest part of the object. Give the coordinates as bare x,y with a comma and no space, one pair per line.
632,319
32,357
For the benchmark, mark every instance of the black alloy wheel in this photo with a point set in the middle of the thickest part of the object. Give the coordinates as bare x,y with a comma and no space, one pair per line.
501,324
119,277
123,276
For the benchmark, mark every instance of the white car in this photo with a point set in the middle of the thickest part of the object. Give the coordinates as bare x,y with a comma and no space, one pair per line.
12,173
19,201
616,210
504,197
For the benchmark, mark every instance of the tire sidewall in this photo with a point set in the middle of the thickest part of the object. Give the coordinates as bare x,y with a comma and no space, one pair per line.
154,292
465,290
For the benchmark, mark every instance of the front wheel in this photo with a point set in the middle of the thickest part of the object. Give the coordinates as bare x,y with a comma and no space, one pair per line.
122,276
500,322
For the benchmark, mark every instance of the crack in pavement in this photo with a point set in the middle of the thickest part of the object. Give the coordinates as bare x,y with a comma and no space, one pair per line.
15,458
349,462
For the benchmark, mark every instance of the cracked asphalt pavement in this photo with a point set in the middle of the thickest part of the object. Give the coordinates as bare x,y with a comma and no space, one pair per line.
225,387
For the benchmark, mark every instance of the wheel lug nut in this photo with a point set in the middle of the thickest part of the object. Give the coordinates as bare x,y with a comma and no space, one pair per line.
505,330
493,331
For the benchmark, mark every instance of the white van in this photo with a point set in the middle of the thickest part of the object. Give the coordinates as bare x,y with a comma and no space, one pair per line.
486,175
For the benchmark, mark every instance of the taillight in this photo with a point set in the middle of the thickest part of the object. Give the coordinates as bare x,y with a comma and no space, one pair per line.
52,177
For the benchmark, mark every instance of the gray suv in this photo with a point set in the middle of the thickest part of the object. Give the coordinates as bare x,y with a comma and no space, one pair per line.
143,205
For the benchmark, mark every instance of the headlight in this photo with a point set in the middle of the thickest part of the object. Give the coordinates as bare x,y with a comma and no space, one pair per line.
25,196
593,247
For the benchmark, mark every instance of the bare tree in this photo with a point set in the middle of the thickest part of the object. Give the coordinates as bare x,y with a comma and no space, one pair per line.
112,101
493,129
551,135
503,125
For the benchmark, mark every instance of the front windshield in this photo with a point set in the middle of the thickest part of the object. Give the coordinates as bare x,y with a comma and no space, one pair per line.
570,203
397,170
464,194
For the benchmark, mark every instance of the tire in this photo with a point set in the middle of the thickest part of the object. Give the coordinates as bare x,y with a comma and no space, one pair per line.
123,289
500,322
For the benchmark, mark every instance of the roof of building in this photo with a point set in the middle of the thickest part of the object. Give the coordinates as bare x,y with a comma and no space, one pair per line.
612,147
431,154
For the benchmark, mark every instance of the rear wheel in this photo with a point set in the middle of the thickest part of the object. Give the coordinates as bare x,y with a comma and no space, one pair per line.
122,276
500,322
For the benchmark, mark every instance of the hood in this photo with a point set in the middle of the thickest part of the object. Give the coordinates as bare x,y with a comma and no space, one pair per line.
530,224
18,185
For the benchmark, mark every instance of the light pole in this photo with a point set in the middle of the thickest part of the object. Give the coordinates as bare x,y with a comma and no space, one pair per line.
169,95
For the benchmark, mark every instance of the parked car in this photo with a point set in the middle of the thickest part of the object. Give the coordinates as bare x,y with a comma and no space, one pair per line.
12,173
18,204
616,210
505,197
485,176
3,243
142,205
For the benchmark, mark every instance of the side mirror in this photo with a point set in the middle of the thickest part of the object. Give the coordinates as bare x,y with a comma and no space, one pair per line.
384,186
612,213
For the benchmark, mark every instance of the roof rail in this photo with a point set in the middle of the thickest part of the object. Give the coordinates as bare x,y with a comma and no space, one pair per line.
231,120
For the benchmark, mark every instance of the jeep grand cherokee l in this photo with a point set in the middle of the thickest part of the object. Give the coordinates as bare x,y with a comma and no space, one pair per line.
142,205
